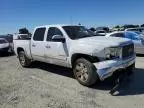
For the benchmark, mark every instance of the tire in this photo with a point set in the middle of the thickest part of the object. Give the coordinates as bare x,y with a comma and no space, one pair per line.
24,61
85,72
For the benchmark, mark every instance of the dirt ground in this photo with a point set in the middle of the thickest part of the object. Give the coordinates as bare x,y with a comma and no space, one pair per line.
49,86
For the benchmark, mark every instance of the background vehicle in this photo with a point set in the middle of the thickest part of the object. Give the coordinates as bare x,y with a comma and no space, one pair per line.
124,27
106,29
92,29
100,33
136,37
139,29
4,45
92,58
9,39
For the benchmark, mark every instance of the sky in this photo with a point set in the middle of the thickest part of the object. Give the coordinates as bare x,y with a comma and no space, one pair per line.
15,14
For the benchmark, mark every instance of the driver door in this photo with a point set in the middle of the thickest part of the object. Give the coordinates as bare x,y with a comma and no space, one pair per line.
55,52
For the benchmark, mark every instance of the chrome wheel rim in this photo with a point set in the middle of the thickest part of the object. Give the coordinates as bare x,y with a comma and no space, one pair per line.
22,59
81,72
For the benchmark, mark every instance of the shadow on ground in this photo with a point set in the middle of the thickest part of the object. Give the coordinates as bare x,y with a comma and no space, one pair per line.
140,55
136,86
53,69
6,54
133,86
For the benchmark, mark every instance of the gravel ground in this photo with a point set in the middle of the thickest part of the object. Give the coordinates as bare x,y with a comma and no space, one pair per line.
49,86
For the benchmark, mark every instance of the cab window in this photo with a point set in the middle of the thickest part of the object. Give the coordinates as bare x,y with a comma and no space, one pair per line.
39,34
53,31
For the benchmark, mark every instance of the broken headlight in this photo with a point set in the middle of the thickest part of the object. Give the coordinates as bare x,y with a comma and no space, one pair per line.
112,53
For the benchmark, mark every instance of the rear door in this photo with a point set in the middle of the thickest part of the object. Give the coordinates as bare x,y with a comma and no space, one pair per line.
37,44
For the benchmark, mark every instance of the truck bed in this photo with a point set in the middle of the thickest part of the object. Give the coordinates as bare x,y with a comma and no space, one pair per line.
24,44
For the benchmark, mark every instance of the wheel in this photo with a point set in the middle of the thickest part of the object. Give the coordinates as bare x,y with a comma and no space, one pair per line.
24,61
85,72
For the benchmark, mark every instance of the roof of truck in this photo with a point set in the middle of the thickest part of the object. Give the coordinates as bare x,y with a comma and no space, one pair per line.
57,25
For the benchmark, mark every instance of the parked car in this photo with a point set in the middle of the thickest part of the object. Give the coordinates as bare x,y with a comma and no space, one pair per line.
139,29
136,37
127,26
106,29
4,45
100,33
92,29
92,58
9,39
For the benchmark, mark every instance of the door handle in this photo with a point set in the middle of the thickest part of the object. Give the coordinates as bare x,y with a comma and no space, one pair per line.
33,45
47,46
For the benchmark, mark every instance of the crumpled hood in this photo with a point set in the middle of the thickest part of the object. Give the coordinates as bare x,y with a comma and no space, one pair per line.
96,45
103,41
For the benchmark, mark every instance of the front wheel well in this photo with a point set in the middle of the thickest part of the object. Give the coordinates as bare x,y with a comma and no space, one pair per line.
90,58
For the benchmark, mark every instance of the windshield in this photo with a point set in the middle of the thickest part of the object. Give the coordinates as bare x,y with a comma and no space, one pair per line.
77,32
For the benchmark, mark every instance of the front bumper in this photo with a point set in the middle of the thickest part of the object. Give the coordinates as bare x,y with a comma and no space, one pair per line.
106,69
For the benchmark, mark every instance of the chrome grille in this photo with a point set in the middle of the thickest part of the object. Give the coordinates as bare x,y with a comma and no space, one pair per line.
127,50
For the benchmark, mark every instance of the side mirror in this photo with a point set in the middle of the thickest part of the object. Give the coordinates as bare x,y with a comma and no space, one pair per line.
58,38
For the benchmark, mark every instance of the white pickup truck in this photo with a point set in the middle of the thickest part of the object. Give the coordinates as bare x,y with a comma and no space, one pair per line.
92,58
